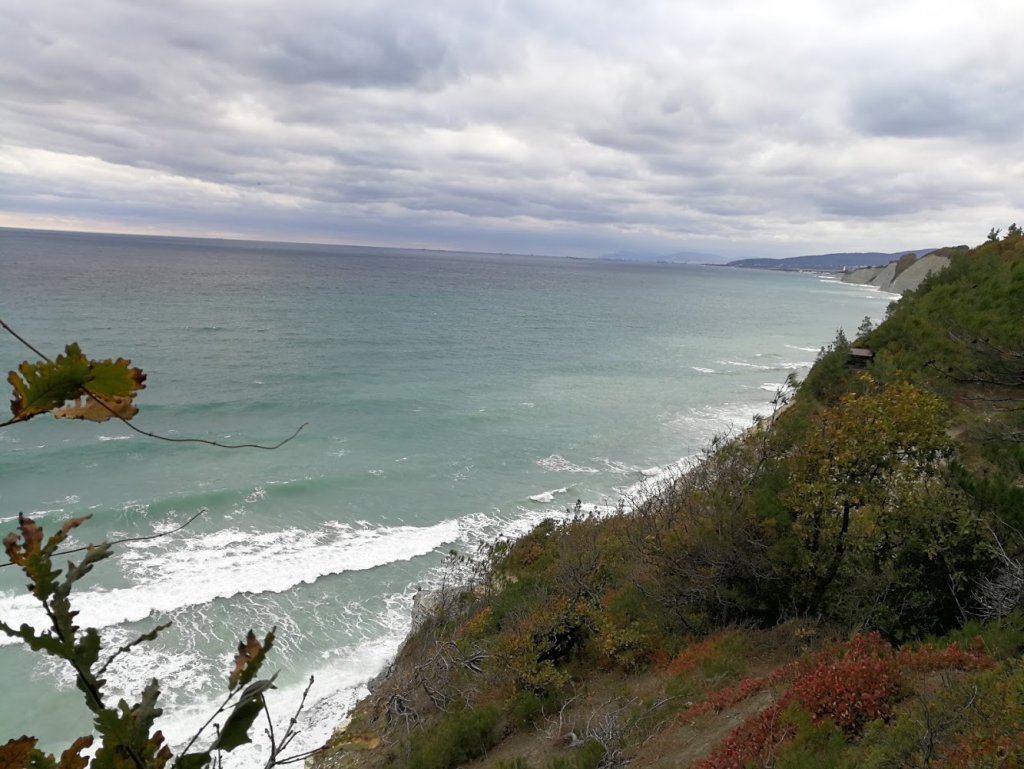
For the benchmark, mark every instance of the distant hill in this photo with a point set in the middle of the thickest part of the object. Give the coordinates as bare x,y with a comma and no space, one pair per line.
840,261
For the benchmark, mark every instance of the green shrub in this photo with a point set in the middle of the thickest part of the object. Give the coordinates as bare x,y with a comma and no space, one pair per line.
711,663
888,745
513,763
588,756
1002,638
813,746
459,737
525,708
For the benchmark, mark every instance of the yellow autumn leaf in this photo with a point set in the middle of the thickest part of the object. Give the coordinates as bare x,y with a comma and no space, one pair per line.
98,409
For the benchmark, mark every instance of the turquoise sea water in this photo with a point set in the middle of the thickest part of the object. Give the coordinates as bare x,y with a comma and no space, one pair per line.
450,398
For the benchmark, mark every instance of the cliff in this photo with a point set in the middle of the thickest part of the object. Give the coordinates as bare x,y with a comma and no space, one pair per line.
837,261
904,274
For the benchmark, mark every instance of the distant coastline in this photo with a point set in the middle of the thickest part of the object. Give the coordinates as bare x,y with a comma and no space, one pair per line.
893,273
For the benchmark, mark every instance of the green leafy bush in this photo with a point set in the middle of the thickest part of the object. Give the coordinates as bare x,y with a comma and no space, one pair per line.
460,736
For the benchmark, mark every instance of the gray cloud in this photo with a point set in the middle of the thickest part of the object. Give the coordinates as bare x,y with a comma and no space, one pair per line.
571,127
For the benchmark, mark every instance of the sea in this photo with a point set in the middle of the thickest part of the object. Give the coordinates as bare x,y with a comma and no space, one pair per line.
448,399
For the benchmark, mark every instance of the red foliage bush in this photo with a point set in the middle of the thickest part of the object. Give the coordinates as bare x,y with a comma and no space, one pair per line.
925,659
756,738
850,684
985,752
694,654
860,686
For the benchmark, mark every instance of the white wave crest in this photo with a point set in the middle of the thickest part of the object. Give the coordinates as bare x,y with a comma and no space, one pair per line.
340,682
549,496
781,366
188,570
559,464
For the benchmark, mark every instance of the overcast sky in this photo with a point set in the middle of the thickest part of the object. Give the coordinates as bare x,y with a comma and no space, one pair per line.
734,127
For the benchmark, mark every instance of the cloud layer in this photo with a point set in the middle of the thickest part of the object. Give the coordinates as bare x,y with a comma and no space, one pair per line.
737,127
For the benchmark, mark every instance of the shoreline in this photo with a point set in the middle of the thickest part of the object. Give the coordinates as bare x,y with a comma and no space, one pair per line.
648,484
335,656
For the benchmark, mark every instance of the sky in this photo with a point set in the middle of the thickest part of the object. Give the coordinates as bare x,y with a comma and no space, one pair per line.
728,127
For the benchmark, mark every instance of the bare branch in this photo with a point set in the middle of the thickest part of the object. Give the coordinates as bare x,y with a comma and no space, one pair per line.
139,430
290,733
127,539
22,339
130,645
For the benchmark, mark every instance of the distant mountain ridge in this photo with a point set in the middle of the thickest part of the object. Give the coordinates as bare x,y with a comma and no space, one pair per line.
838,261
677,257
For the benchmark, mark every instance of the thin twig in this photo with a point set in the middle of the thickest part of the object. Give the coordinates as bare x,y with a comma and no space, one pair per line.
132,644
269,731
139,430
290,734
301,756
223,706
218,444
126,539
22,339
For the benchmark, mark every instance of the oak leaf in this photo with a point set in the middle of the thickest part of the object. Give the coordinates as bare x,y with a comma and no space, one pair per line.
45,386
72,758
98,409
32,539
16,754
251,654
235,730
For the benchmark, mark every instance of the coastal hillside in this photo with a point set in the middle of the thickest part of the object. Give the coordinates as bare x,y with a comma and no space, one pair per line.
840,585
838,261
903,274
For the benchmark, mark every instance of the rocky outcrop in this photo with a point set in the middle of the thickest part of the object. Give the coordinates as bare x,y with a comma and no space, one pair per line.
895,280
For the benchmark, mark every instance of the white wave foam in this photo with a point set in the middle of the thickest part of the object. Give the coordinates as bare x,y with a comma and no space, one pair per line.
699,425
782,366
113,437
549,496
744,364
178,571
654,481
559,464
477,528
619,468
703,370
258,494
340,682
36,514
802,349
